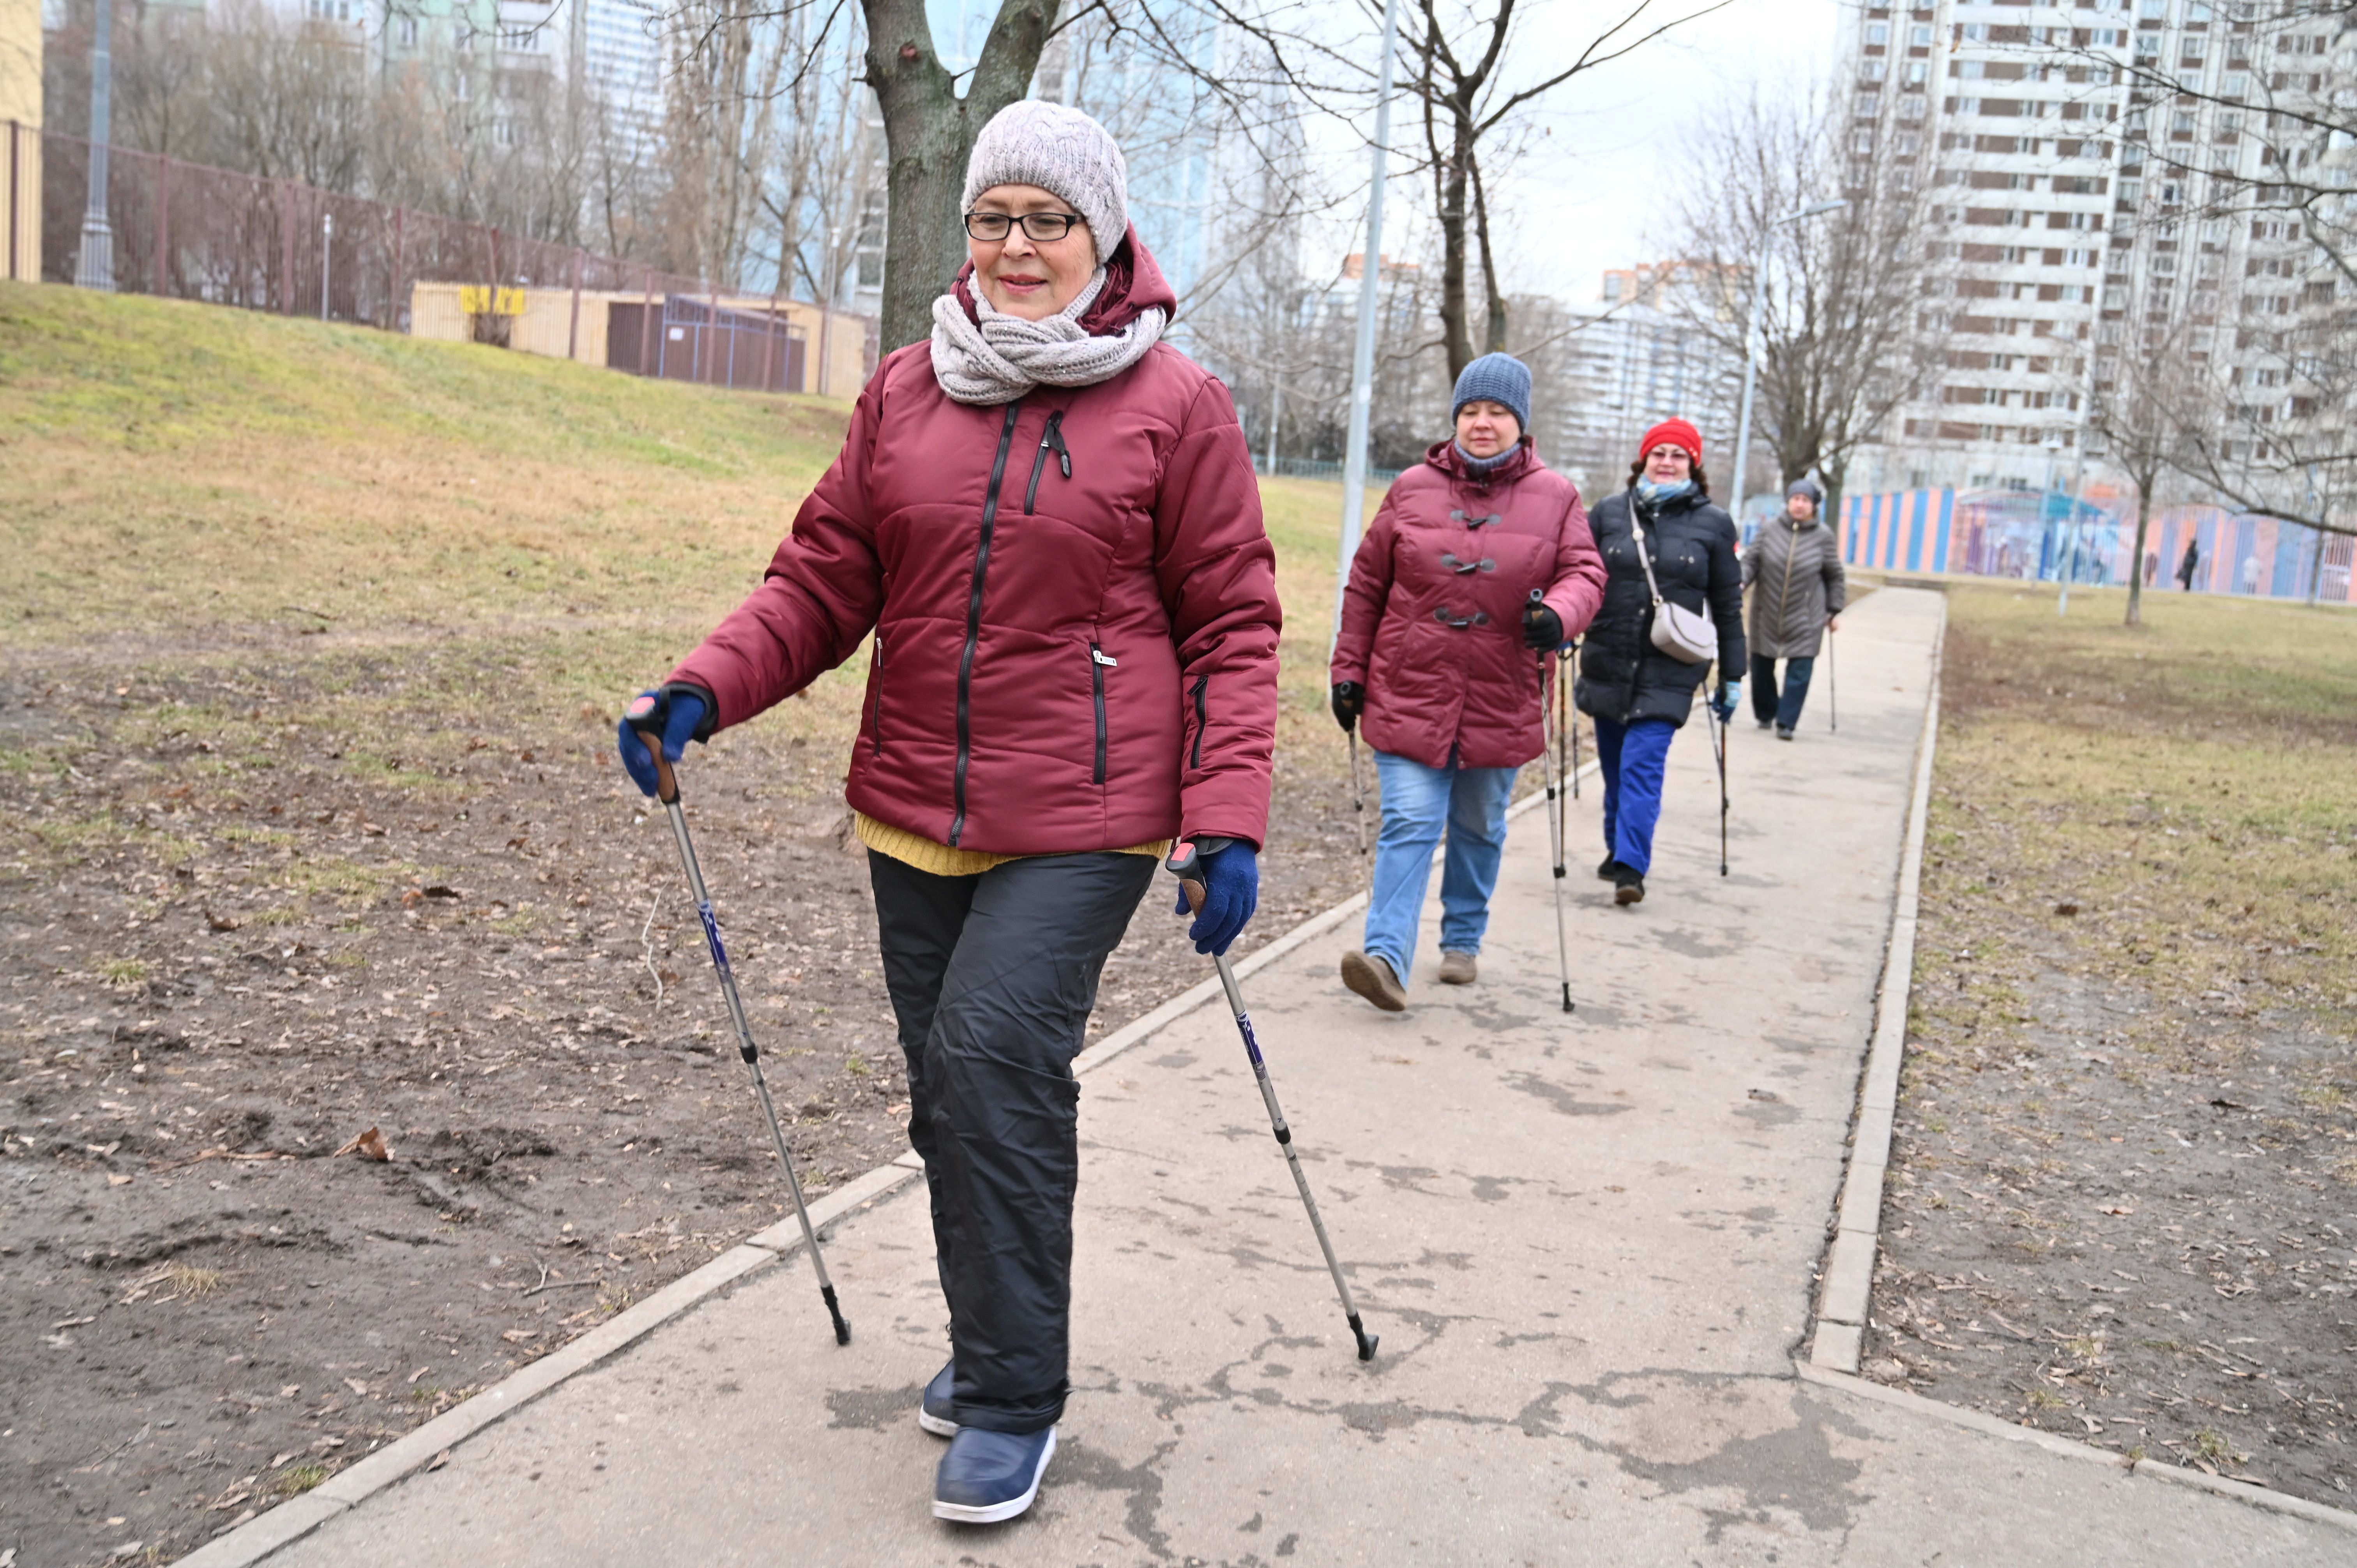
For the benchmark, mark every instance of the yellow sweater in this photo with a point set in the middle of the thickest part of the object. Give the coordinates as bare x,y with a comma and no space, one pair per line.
914,849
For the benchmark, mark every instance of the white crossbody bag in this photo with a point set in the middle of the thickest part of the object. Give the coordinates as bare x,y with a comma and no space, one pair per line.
1686,636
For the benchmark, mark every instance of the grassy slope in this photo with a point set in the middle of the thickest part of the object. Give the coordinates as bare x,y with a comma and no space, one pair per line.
188,466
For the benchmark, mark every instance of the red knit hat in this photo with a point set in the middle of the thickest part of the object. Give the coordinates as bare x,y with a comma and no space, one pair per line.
1671,433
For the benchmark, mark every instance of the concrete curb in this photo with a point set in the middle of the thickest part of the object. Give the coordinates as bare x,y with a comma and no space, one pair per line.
1844,1296
291,1521
2070,1448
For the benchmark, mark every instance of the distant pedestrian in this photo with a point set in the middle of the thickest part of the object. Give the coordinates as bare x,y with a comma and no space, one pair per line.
1794,573
2250,573
1439,653
1638,694
2151,566
2185,567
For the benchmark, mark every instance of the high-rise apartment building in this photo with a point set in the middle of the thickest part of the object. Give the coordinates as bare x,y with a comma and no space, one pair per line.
2097,177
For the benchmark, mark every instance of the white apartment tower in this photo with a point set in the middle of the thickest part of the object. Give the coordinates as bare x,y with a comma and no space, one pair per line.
2081,210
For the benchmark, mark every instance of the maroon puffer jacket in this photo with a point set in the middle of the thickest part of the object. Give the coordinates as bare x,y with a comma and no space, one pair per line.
1432,620
1073,601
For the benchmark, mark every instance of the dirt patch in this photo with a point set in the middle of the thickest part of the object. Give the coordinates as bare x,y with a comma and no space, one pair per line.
2125,1163
254,905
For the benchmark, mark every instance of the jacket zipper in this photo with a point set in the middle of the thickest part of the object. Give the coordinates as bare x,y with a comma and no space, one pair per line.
1203,716
974,622
875,747
1052,437
1783,592
1098,663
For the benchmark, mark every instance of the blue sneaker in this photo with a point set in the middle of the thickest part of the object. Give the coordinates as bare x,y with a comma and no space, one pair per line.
988,1477
935,1413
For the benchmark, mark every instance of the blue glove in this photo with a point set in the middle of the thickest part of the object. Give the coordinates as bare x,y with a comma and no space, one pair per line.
1231,894
1729,692
676,712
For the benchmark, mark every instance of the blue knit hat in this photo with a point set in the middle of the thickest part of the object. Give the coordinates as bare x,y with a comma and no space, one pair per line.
1498,379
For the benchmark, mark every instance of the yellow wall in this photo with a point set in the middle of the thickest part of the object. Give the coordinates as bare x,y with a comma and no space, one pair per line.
20,100
547,326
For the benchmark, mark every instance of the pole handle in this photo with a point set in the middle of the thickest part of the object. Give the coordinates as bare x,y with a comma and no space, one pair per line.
640,716
1186,863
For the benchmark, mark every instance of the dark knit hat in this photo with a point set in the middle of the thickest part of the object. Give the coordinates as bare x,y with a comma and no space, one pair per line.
1671,433
1495,378
1808,488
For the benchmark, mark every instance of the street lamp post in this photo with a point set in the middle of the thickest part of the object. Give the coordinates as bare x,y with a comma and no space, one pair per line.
327,251
1362,358
2066,564
1751,342
94,266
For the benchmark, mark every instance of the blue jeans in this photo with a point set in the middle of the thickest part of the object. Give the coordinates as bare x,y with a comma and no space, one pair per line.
1634,758
1418,801
1785,709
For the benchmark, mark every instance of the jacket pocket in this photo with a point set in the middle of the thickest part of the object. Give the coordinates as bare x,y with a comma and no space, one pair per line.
1098,663
1202,716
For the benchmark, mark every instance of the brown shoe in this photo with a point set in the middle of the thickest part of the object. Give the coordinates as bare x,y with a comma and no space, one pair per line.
1457,969
1373,979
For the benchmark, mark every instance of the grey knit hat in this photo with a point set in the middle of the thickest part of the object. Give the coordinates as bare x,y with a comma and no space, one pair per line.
1059,149
1495,378
1808,488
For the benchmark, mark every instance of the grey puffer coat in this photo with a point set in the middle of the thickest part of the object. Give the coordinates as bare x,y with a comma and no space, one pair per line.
1794,572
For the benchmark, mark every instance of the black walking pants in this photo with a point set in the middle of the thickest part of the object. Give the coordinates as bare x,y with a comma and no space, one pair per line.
993,978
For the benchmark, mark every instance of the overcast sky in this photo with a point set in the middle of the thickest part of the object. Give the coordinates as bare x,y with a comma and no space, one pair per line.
1580,205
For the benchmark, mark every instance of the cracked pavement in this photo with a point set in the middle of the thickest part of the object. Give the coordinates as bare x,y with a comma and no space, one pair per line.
1589,1244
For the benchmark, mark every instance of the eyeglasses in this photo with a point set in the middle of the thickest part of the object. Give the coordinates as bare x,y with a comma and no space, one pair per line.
1040,228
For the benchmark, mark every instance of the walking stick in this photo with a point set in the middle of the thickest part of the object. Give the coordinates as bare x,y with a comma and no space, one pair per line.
667,791
1186,863
1718,748
1833,680
1548,761
1358,791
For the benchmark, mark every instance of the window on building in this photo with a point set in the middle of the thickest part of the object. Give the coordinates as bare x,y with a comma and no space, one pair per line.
1869,105
2234,84
1920,37
408,32
1878,32
1872,70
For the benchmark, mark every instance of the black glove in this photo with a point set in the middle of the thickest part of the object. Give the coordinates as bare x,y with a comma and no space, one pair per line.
1349,698
1542,627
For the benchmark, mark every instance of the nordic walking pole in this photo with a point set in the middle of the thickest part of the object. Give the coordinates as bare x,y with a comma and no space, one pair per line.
1358,791
1186,863
1832,678
1548,761
667,791
1718,749
1565,719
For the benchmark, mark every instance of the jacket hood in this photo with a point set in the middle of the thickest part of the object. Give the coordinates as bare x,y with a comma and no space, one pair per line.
1523,459
1134,284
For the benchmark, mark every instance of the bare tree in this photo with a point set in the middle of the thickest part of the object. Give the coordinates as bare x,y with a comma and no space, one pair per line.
1844,338
1468,97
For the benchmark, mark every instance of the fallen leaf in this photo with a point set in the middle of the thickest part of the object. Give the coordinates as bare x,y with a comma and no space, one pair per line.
518,1335
357,1386
438,1460
2066,908
118,1181
222,922
72,1322
439,890
369,1145
2111,1208
280,1460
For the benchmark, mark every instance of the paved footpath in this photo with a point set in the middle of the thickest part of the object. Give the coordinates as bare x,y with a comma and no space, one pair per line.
1588,1245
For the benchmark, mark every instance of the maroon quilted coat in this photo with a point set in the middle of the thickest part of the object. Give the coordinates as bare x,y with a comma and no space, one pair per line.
1432,620
1072,599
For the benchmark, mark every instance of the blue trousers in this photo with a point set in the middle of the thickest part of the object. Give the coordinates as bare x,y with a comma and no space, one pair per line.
1634,758
1766,704
1418,801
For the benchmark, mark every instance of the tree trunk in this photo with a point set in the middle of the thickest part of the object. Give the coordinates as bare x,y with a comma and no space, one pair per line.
1494,341
2136,570
929,134
1449,176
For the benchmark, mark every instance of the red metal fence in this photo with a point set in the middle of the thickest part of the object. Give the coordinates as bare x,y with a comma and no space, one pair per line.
190,231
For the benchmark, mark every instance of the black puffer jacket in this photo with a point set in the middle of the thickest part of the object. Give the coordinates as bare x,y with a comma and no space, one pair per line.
1623,676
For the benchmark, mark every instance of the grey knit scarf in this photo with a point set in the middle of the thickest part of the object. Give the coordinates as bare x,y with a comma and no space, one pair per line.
998,358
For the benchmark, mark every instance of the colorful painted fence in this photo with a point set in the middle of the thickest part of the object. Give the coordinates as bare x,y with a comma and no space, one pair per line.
2046,536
